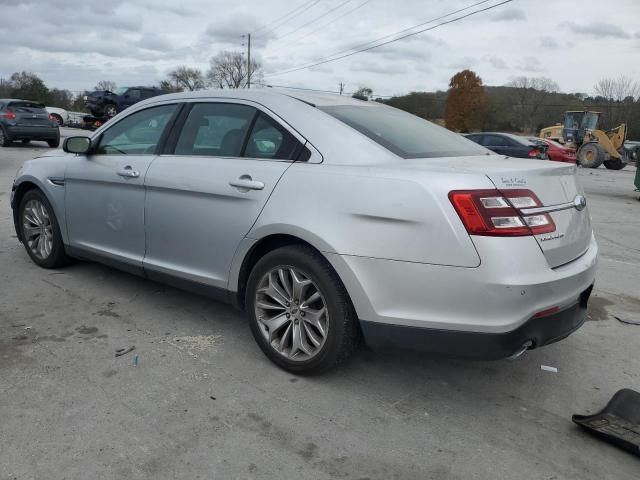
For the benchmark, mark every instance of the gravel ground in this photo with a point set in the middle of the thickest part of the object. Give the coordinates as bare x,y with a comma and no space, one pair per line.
203,402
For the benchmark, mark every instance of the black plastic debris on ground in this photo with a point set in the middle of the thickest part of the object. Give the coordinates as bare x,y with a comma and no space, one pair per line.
618,422
124,351
629,321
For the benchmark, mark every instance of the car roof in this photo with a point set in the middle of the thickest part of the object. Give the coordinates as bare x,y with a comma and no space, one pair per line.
315,99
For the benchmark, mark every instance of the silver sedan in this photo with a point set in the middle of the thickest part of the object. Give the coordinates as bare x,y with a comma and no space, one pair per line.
327,219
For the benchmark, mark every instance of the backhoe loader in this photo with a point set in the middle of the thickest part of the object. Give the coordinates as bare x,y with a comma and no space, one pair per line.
593,147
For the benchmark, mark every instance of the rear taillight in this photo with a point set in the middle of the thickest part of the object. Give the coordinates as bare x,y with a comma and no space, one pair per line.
496,213
8,116
534,153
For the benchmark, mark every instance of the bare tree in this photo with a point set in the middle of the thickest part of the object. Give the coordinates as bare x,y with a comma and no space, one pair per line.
617,89
530,94
105,85
229,70
363,93
185,78
619,94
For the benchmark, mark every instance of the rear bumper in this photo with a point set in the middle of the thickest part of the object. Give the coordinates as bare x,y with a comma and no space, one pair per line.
535,332
33,133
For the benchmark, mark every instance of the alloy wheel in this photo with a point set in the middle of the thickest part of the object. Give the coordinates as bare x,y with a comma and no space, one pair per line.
37,229
292,314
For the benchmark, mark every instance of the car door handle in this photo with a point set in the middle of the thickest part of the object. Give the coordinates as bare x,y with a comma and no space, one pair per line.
246,183
128,172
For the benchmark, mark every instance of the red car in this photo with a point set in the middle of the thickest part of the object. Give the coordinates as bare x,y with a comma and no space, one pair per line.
558,152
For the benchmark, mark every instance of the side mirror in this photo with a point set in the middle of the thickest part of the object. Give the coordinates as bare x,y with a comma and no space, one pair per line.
79,145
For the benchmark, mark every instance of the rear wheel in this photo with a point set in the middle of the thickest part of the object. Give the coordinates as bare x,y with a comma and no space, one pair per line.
5,141
110,110
57,118
590,155
299,311
54,143
40,231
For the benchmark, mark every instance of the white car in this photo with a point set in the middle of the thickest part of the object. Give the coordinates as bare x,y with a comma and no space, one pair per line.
325,218
60,115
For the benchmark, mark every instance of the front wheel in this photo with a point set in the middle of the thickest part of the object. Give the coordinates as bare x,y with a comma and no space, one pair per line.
5,141
590,155
40,231
299,311
615,164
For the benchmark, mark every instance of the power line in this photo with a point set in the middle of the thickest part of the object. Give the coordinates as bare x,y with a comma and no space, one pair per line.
314,20
291,15
453,20
364,45
324,25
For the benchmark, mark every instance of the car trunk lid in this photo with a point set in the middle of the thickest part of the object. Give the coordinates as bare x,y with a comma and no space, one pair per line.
556,187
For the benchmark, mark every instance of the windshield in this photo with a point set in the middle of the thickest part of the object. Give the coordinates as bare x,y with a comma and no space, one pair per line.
590,120
120,90
404,134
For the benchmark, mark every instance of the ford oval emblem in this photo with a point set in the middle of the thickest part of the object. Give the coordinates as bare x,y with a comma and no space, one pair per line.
580,202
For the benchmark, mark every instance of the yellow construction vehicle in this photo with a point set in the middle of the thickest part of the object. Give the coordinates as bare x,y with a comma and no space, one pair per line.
593,147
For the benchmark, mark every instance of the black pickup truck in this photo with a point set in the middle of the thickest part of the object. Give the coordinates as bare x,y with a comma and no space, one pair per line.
105,103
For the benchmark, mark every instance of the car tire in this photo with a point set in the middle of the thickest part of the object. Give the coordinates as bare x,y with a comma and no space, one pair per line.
5,140
26,141
54,143
40,231
590,155
110,110
300,316
58,119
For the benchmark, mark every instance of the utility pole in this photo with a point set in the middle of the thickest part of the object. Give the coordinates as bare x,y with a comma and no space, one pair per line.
248,60
341,87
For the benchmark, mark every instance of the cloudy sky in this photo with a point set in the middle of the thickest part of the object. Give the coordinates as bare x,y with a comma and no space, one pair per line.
75,43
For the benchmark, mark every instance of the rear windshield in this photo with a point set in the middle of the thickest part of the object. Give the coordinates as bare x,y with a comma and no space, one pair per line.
404,134
25,106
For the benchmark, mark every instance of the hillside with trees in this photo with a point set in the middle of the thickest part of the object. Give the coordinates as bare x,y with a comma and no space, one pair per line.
526,105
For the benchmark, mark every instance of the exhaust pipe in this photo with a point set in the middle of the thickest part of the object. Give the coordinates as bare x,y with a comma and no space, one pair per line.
525,346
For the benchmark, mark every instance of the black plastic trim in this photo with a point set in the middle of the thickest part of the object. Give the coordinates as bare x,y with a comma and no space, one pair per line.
479,345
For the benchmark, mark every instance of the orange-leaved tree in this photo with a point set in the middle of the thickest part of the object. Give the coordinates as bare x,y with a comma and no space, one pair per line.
466,102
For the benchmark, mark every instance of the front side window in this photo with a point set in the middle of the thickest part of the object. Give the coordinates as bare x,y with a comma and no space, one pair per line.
215,129
137,134
402,133
270,140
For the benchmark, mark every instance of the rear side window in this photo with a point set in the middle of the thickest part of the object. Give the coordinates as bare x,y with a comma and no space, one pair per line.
269,140
495,141
215,129
406,135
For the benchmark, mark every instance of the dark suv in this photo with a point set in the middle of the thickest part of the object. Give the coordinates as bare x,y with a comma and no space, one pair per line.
25,120
105,103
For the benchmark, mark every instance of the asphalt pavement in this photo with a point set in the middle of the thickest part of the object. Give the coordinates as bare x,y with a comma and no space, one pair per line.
203,402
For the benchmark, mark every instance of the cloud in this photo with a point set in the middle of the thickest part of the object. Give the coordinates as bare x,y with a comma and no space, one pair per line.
531,64
548,42
497,62
462,63
510,14
385,68
597,30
